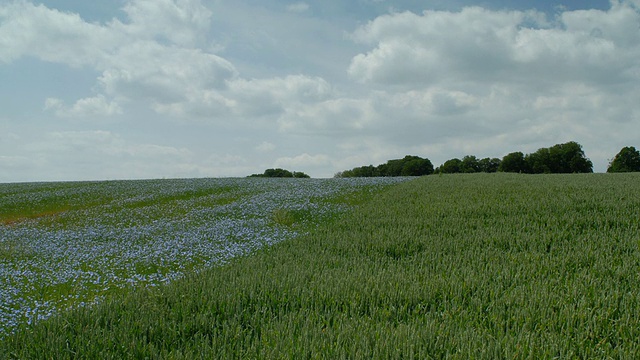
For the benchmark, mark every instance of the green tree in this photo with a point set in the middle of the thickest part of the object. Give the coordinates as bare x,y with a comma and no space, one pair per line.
416,166
489,165
627,160
365,171
300,175
407,166
470,164
539,162
451,166
280,173
570,158
513,162
391,168
560,158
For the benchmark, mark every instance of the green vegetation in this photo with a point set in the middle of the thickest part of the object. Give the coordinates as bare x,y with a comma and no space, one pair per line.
469,164
559,159
64,245
627,160
485,266
283,217
281,173
407,166
564,158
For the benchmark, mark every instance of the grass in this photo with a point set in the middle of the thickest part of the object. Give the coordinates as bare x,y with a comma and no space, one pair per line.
283,217
487,266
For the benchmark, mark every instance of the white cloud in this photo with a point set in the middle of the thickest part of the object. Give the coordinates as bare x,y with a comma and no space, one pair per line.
298,7
51,35
103,154
103,146
180,22
273,96
265,147
478,45
83,141
302,161
414,49
225,159
151,58
12,163
294,88
87,108
335,117
154,151
152,72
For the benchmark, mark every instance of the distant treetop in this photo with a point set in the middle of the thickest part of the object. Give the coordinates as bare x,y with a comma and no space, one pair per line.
407,166
469,164
281,173
627,160
560,158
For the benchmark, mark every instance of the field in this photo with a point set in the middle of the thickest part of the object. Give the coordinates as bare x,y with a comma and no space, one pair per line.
64,245
456,266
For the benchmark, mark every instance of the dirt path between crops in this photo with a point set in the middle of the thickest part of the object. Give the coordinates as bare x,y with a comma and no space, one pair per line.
11,220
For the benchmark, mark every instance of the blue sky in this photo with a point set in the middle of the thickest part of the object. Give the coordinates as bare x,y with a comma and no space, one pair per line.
196,88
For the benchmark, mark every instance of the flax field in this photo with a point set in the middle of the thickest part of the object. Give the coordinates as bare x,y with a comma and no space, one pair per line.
64,245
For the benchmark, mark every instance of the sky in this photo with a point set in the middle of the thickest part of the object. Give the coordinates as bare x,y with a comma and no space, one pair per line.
132,89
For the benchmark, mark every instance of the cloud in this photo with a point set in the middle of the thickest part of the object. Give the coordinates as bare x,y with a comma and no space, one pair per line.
85,142
103,154
265,147
164,75
96,147
52,35
479,45
336,117
413,49
298,7
274,96
178,22
155,57
101,144
88,108
12,163
302,161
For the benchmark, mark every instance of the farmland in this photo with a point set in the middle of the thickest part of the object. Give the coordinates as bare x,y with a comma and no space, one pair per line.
452,266
64,245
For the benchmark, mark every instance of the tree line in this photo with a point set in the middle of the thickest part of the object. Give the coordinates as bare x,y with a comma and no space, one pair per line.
280,173
408,166
560,158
